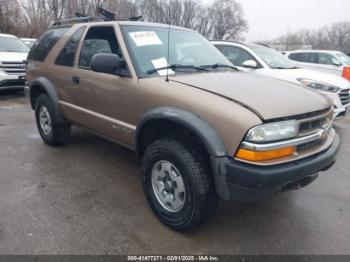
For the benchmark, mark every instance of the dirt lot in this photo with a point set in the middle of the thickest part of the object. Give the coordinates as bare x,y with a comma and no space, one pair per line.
86,198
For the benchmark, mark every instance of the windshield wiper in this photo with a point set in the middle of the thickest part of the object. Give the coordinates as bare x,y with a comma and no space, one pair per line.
176,67
217,65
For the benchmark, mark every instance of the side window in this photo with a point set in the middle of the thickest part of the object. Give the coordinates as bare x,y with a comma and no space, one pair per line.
325,59
44,45
294,57
236,55
98,40
67,55
301,57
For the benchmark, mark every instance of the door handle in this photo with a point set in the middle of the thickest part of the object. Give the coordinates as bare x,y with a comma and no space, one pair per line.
76,80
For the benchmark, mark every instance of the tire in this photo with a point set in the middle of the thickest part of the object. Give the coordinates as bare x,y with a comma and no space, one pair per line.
52,133
199,199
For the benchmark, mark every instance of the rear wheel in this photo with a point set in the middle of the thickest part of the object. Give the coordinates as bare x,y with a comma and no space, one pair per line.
52,132
178,183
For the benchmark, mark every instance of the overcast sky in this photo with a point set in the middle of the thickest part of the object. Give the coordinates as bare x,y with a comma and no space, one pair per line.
271,18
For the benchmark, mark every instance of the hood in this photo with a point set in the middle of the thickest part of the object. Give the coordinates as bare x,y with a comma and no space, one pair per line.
327,78
269,98
12,57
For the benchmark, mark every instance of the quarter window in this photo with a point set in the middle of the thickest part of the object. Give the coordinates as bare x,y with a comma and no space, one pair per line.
325,59
44,45
67,55
304,57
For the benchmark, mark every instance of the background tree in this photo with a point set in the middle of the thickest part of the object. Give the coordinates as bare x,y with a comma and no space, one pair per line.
335,36
223,19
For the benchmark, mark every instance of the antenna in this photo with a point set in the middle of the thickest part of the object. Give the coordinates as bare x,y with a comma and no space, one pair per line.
168,55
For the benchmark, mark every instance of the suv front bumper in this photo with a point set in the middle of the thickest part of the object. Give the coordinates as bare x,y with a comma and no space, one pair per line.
12,84
243,182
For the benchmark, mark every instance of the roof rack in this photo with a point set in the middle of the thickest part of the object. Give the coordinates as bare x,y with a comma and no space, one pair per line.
105,15
70,21
108,16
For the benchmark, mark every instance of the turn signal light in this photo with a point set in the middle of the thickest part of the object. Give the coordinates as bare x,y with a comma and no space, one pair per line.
346,73
249,155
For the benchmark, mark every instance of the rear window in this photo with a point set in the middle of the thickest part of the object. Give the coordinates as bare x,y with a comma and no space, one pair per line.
45,43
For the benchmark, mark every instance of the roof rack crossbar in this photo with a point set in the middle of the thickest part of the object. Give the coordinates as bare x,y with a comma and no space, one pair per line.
73,20
109,16
78,14
82,18
135,18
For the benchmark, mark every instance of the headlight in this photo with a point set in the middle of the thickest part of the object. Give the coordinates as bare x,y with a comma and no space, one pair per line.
273,132
268,133
319,85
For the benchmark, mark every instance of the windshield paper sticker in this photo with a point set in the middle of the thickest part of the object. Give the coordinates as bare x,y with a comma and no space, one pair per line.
162,62
145,38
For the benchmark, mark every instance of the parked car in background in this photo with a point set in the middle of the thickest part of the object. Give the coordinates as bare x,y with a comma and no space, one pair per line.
29,41
266,61
13,55
324,60
202,129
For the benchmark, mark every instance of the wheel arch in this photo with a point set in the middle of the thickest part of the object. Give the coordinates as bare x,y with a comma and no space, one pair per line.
207,134
40,86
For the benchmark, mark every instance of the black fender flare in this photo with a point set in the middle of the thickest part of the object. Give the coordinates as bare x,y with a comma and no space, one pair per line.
50,90
206,133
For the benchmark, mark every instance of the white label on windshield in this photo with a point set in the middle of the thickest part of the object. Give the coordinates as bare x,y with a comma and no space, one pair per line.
162,62
145,38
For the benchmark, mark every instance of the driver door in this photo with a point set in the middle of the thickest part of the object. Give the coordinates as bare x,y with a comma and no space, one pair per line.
103,102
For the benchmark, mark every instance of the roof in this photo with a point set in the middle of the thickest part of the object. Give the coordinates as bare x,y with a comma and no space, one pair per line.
6,35
250,45
316,51
28,39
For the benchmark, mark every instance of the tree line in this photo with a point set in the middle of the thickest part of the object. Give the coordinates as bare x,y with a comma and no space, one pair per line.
223,19
335,36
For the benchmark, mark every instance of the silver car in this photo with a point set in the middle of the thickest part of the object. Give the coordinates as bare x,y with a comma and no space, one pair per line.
325,60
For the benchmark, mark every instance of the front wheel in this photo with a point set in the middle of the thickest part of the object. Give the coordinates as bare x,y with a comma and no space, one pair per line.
52,132
178,183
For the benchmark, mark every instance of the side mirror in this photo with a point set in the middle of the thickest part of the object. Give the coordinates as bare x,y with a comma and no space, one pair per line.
108,64
250,64
336,62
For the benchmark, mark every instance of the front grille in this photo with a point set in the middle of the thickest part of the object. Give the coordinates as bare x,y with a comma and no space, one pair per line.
345,96
13,68
314,124
12,83
309,145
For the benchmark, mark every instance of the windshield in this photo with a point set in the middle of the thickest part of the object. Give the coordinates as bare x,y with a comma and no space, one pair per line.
11,44
273,58
344,58
149,49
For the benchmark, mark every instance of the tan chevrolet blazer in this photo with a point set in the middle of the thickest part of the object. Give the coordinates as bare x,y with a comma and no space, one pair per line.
203,129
